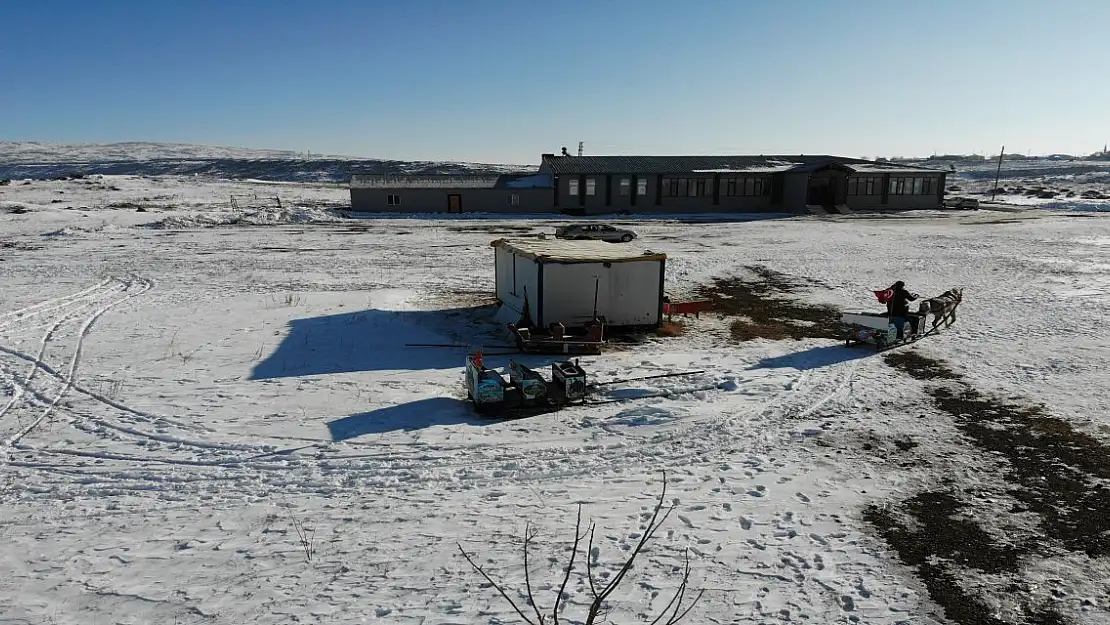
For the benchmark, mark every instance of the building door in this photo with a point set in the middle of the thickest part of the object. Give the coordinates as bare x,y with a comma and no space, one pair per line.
820,193
454,203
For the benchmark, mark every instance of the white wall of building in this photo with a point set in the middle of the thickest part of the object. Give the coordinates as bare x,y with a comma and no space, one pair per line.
627,292
516,276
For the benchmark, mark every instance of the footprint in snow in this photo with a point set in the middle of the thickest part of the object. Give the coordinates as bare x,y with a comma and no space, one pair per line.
802,497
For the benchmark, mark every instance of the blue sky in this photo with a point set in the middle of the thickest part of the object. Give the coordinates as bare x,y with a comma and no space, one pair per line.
501,81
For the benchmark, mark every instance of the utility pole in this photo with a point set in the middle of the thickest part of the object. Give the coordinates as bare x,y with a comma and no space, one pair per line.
998,172
579,148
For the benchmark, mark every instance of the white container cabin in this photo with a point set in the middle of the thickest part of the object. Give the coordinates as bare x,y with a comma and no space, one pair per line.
568,282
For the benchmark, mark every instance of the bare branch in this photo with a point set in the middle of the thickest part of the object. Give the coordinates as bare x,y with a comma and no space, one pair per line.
570,567
495,584
652,526
528,535
589,565
673,612
679,595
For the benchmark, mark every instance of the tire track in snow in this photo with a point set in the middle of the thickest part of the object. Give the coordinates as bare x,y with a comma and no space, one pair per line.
43,401
21,386
86,327
8,319
745,435
146,416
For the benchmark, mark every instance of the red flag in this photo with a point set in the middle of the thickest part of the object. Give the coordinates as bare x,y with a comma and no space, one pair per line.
884,296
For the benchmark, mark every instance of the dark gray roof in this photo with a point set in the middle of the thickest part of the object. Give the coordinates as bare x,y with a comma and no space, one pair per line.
448,181
703,164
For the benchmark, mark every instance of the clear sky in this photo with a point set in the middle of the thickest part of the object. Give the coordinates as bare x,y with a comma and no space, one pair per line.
503,81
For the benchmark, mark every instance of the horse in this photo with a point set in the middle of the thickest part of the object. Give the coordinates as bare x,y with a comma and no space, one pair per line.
942,307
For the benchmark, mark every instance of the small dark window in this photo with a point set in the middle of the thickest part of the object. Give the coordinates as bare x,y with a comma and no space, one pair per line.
514,199
393,199
683,186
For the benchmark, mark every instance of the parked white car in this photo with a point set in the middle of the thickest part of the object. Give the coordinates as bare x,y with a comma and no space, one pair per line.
599,232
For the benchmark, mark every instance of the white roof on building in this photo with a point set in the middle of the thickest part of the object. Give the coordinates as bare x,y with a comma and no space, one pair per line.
567,251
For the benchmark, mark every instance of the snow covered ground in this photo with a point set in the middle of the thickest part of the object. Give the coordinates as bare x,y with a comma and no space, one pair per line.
179,398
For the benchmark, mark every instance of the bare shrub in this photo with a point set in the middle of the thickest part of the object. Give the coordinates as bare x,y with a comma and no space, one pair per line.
671,613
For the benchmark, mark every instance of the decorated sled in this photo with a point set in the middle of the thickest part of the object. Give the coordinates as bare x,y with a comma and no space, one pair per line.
528,393
878,329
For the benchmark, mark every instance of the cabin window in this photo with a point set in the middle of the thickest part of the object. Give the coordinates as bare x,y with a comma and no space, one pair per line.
626,186
641,187
591,186
745,186
393,199
572,186
864,185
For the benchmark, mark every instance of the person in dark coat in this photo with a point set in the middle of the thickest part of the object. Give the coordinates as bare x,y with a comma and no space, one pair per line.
899,306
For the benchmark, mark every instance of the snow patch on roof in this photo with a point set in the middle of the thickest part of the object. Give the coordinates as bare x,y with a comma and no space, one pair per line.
562,250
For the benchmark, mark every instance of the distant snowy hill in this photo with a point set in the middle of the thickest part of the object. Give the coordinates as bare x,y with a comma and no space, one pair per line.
43,160
39,153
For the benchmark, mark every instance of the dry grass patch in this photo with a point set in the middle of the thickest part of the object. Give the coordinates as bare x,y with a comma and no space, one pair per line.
763,309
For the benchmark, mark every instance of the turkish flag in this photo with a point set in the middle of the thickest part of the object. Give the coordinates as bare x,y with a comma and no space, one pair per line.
884,296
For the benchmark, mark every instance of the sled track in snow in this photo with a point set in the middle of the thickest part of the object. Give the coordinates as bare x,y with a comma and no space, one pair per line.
119,449
746,438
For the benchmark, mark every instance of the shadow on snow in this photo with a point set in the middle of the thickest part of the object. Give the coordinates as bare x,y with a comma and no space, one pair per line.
376,340
415,415
815,357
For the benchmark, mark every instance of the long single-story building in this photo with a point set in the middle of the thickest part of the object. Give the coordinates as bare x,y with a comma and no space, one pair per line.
505,193
589,185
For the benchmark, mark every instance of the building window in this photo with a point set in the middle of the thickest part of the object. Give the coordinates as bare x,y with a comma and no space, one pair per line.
687,187
626,186
514,199
641,187
591,186
572,186
865,185
393,199
905,185
745,186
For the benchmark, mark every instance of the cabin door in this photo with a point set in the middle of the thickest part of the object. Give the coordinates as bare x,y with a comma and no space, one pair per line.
454,203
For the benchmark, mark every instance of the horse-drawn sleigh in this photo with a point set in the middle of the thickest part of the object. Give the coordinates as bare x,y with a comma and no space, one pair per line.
880,329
